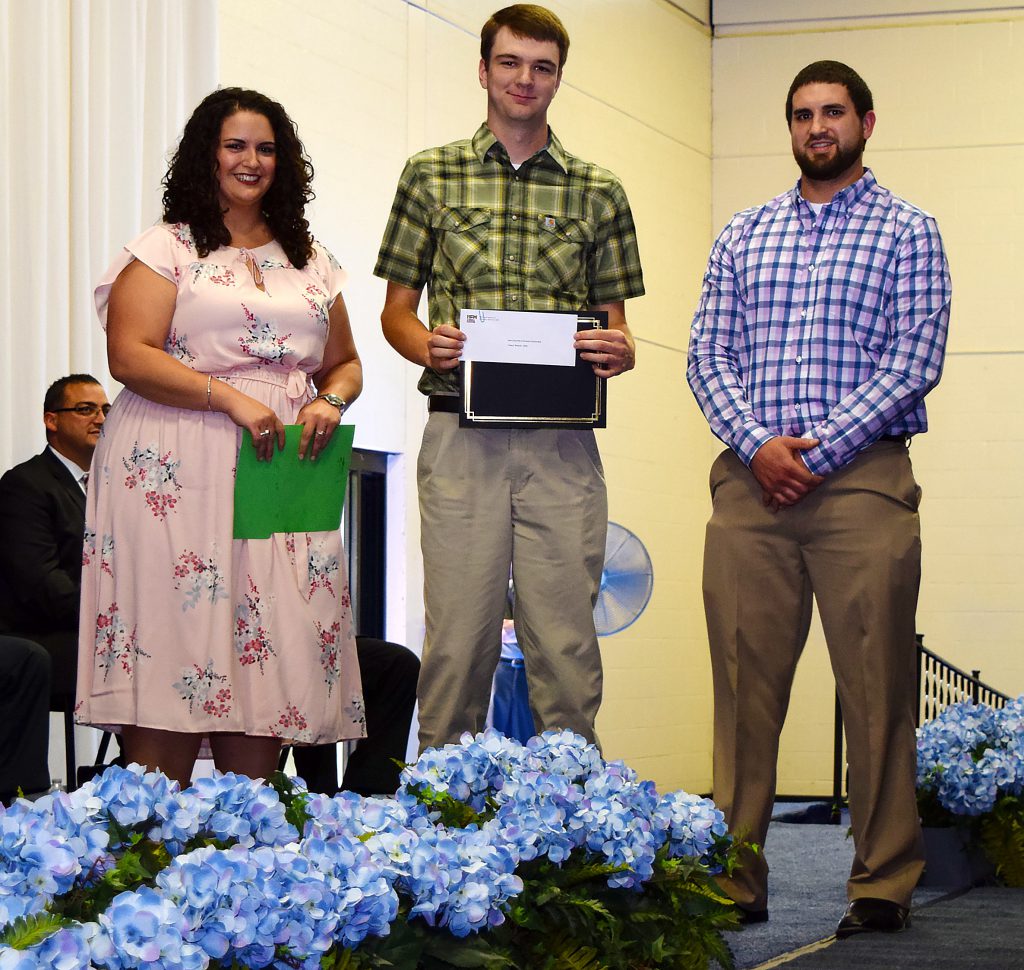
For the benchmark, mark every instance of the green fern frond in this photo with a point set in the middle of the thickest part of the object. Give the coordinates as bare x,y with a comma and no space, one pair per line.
704,891
580,917
650,916
28,931
569,954
1002,838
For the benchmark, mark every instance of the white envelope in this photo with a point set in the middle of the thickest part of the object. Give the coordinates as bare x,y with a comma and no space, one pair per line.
519,337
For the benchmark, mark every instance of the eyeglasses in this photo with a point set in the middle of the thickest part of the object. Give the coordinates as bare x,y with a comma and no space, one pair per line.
86,409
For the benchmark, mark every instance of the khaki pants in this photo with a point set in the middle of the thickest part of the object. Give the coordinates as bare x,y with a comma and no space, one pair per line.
855,544
534,500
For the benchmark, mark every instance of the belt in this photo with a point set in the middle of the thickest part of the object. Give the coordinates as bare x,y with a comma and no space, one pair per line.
448,403
901,438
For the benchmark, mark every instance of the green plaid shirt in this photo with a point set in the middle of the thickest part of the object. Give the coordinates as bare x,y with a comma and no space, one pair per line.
556,234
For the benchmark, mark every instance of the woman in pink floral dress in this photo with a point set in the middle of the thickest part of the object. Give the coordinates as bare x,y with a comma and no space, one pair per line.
226,316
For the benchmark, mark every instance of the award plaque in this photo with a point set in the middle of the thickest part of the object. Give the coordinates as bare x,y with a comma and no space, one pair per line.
502,394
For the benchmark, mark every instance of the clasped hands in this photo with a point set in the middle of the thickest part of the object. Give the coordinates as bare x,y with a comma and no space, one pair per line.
780,471
610,351
318,420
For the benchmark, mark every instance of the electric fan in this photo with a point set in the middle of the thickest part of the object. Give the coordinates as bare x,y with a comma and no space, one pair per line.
626,582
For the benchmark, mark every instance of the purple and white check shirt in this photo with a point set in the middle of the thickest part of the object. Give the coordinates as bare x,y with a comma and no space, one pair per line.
831,327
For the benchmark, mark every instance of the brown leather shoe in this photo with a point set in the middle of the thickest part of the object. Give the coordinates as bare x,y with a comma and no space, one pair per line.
867,915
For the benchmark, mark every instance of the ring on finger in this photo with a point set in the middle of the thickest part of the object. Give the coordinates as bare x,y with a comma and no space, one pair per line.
321,432
264,432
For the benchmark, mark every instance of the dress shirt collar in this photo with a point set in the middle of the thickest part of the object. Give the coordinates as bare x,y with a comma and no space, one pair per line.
485,144
72,467
843,201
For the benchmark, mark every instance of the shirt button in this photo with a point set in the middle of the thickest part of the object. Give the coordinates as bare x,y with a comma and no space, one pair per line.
513,298
799,360
803,313
810,269
514,217
798,407
511,259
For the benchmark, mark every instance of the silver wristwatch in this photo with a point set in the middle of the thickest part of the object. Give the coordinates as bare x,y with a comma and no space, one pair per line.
339,402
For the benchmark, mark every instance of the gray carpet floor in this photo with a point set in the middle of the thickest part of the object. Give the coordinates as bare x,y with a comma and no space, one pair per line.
807,895
980,930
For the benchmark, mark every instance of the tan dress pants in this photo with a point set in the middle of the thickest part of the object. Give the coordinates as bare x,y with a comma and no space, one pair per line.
534,500
854,543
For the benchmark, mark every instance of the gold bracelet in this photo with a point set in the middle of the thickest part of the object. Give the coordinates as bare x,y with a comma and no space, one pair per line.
209,388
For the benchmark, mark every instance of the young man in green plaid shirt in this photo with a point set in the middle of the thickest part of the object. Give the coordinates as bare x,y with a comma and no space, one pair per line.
509,220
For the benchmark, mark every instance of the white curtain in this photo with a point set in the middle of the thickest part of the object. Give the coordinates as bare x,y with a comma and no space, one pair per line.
94,95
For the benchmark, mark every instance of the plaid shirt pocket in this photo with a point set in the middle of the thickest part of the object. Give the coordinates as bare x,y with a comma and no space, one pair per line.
463,236
562,249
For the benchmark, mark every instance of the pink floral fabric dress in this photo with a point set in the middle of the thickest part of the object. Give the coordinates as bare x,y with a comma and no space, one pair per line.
183,627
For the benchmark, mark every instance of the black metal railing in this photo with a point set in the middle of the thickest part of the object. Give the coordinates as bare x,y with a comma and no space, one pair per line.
939,685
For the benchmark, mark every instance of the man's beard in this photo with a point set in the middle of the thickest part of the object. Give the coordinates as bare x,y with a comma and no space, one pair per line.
826,169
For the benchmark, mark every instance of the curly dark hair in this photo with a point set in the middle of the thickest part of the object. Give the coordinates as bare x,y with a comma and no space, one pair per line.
191,192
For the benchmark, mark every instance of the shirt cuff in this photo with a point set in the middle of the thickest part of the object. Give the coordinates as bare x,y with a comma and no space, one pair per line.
747,442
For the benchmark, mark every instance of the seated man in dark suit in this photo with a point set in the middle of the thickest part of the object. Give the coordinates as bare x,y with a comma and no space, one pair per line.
42,520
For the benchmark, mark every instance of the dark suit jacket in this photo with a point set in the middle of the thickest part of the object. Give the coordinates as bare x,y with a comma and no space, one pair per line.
42,521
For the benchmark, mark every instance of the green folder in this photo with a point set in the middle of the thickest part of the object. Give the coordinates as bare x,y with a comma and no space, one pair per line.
288,495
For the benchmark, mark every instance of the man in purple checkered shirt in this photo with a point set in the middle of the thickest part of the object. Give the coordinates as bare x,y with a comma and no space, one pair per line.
821,328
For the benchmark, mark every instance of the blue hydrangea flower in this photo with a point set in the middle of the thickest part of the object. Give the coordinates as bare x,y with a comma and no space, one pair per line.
539,815
469,771
11,959
617,814
564,753
129,795
970,755
276,898
146,930
44,848
692,827
235,807
461,879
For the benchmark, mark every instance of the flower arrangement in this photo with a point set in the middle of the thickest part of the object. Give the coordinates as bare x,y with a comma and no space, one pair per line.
970,773
492,854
